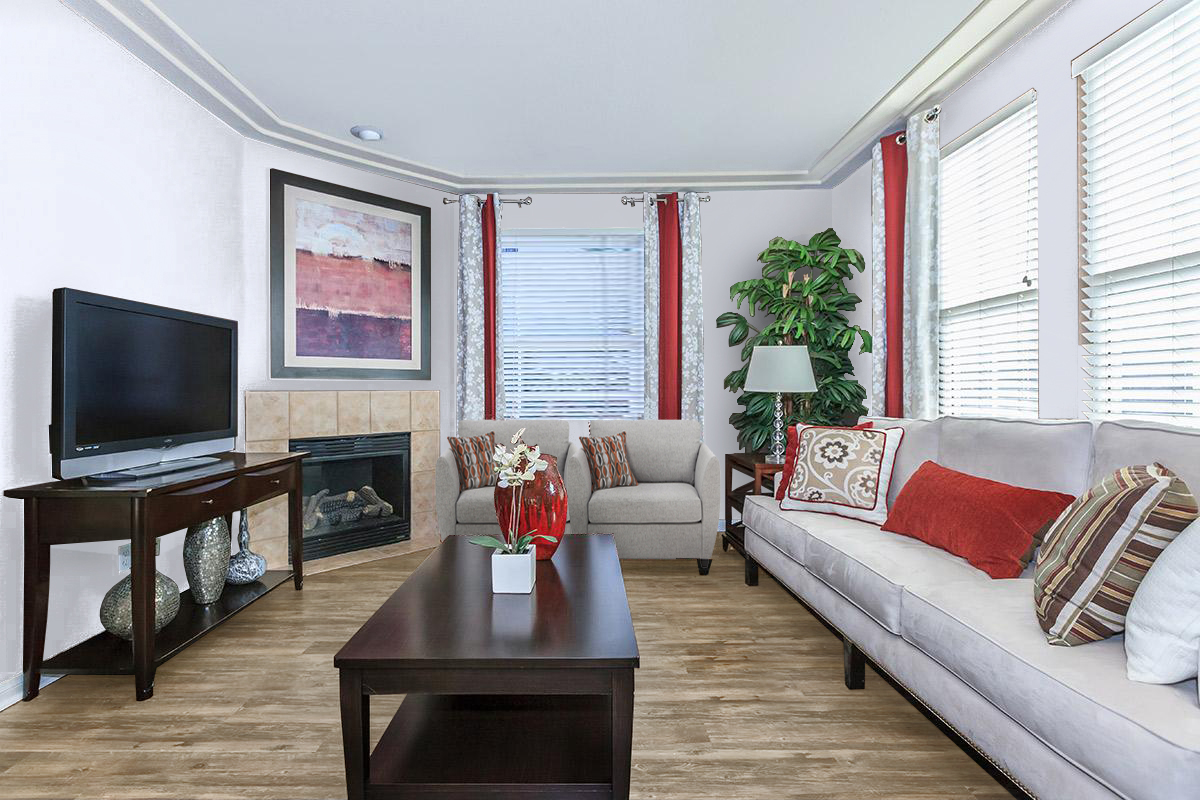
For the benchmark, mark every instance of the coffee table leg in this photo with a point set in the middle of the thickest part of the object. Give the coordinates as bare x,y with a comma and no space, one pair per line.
622,732
356,740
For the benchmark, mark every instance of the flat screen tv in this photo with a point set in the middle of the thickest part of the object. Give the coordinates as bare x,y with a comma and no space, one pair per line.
136,385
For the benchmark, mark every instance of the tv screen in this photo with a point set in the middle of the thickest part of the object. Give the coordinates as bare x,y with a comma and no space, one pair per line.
132,376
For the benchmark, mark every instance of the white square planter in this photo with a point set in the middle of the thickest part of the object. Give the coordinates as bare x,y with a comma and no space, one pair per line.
513,574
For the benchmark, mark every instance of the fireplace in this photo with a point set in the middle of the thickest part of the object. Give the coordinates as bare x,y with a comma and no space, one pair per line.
356,492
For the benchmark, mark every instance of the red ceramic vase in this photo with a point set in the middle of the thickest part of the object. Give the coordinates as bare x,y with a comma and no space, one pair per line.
543,508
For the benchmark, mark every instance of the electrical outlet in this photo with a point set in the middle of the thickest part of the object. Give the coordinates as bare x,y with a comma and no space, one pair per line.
125,556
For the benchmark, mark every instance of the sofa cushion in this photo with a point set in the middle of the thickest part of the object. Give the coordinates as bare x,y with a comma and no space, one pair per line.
1098,551
1162,629
1129,736
646,502
660,450
786,530
870,567
1118,444
920,445
1054,456
551,435
477,506
992,525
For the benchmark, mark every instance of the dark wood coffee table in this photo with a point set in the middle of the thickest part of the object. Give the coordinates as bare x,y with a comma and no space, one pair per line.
507,696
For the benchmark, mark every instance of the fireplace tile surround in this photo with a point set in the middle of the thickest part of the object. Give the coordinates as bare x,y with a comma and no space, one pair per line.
274,417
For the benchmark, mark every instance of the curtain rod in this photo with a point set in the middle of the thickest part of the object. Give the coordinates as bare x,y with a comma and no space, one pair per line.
626,200
524,201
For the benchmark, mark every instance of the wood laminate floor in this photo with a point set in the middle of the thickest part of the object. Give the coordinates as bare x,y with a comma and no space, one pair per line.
739,695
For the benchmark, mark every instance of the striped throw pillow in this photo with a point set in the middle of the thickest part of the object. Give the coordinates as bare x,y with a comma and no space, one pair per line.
609,461
474,459
1099,549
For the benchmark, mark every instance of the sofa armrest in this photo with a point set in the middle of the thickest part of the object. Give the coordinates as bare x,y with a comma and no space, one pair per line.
707,481
446,491
578,479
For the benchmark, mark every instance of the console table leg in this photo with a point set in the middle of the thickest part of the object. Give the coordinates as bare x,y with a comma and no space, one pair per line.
142,565
622,732
356,725
296,531
37,594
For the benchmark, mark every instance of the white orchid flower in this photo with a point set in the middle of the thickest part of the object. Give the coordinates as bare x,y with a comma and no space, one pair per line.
517,436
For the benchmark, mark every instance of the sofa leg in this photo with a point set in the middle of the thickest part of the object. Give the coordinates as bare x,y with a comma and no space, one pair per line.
854,663
703,564
751,572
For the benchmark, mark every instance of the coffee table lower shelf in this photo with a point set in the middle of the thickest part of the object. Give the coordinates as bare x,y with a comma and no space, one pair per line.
495,746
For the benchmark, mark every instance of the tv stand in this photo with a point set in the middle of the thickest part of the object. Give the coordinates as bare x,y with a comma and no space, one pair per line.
74,511
153,470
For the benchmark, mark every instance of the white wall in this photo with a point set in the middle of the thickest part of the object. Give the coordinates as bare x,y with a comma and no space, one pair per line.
853,224
735,227
111,181
258,160
1041,61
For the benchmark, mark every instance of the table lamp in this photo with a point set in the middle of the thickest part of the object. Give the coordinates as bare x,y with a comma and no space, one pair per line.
780,368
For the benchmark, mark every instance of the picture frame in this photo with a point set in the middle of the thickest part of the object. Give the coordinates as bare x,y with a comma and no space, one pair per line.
350,282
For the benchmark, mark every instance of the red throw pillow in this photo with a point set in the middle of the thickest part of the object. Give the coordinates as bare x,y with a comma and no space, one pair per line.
992,525
789,459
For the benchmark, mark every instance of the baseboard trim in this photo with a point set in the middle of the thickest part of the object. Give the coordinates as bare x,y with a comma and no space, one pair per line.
12,688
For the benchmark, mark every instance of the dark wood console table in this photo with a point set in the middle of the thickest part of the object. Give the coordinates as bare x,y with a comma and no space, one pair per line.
763,476
79,510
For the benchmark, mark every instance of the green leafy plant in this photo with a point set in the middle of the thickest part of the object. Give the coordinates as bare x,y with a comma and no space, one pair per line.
803,293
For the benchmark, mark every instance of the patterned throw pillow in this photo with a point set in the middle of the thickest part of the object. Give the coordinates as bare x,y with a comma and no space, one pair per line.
474,459
1101,546
608,461
785,476
843,471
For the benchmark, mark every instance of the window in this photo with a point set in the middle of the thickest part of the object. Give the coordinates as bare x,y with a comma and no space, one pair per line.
1140,221
572,322
988,299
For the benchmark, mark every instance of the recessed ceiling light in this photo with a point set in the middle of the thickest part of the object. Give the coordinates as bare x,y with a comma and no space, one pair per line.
366,133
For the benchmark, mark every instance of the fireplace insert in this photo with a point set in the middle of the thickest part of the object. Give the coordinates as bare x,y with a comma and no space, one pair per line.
356,492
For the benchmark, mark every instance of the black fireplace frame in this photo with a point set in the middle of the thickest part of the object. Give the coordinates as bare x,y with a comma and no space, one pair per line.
369,533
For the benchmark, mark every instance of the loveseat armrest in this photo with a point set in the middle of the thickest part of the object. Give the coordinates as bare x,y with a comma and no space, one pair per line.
707,481
446,491
578,480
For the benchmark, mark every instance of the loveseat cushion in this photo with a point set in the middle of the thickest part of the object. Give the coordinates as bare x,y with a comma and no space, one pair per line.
870,567
477,506
1140,740
646,502
660,450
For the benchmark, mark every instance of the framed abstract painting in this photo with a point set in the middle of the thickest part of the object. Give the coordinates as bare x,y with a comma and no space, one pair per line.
349,283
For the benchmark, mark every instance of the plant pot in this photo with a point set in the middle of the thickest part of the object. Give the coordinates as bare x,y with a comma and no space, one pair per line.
513,574
543,508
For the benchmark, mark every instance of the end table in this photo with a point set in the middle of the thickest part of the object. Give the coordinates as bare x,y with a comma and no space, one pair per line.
763,477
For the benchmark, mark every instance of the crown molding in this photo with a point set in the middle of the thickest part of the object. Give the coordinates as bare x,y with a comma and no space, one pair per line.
139,27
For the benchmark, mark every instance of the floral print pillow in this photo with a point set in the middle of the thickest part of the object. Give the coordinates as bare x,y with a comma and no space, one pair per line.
843,471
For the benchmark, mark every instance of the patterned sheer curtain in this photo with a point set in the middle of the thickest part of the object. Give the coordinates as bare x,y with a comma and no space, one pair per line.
497,332
692,316
905,177
921,266
470,309
650,229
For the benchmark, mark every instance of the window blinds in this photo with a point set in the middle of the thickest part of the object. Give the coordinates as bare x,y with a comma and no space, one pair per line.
1140,226
988,305
572,323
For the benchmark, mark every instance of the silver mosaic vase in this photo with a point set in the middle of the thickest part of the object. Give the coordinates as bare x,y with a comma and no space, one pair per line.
245,566
116,609
206,559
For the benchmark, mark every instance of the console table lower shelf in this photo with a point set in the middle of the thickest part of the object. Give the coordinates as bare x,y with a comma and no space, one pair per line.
106,654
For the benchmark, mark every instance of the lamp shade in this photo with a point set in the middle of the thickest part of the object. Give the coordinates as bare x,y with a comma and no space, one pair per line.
780,368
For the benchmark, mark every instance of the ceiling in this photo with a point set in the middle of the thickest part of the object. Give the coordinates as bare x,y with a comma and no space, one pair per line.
570,94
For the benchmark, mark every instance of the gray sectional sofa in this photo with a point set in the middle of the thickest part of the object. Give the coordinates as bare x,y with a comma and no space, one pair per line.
1061,723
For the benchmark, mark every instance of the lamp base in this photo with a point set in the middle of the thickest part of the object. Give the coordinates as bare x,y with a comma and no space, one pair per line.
771,458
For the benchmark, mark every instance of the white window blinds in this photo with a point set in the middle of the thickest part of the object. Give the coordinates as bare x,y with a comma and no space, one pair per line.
1140,281
988,304
572,322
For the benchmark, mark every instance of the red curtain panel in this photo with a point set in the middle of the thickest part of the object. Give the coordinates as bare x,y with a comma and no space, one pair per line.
670,276
895,181
489,308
